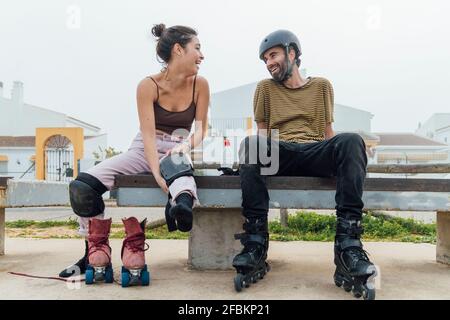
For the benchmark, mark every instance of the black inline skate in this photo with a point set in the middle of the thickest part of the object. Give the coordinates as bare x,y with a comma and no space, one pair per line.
251,263
354,271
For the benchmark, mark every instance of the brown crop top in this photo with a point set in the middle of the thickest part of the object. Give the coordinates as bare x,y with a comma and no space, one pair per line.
168,121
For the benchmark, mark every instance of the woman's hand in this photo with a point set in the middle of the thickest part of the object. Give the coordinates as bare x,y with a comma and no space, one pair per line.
162,183
180,148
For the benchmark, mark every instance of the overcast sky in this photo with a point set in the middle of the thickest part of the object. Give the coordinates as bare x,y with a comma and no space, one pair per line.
85,58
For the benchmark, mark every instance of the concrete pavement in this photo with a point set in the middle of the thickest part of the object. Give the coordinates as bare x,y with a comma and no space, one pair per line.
300,270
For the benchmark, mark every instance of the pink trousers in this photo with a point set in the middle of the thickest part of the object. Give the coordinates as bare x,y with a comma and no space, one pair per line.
132,162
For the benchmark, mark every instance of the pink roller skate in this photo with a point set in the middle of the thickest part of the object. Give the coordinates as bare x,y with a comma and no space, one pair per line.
99,255
134,269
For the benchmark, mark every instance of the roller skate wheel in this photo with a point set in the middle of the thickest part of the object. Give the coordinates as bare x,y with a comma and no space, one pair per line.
109,275
346,286
145,278
261,275
89,276
125,279
337,281
368,294
239,282
357,294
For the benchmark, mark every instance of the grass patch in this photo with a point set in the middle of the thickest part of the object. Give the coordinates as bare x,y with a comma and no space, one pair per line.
71,223
309,226
156,233
43,229
305,226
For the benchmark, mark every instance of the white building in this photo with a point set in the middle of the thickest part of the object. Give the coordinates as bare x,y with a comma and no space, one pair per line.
18,123
437,127
409,148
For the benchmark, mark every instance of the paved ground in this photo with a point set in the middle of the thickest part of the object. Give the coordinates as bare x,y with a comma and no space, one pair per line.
300,270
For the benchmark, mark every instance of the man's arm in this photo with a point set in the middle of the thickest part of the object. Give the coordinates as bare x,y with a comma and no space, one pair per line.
262,129
329,109
329,133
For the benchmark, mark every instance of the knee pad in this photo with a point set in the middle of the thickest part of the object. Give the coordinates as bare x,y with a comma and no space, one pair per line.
175,166
86,196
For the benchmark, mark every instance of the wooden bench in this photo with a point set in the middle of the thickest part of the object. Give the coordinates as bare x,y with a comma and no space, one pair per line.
218,218
211,241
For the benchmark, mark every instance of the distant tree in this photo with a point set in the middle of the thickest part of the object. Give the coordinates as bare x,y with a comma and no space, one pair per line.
106,153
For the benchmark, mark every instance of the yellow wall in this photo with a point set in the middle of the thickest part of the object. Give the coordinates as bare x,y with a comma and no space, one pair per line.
249,125
75,135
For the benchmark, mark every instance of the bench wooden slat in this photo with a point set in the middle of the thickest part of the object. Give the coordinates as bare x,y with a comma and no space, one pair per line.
306,199
372,168
295,183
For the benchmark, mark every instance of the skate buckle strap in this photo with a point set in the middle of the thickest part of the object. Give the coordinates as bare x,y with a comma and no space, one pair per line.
349,227
356,230
248,237
347,243
255,226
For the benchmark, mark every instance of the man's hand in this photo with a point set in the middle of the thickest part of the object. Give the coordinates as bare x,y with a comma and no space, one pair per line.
262,129
329,133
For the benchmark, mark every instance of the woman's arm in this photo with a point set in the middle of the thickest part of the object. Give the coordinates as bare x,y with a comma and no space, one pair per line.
146,95
201,113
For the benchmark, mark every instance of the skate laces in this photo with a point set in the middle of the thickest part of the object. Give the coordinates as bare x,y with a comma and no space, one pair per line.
136,242
98,243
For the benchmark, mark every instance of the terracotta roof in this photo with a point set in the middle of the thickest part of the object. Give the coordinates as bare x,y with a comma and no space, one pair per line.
406,139
365,135
24,141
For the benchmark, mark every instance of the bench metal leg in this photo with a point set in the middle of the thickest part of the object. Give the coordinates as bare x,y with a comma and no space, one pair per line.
2,231
211,242
443,237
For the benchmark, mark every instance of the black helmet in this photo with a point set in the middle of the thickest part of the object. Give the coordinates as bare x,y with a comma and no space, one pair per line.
282,38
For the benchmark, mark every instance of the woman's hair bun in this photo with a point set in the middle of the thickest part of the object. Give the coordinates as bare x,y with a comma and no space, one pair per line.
158,29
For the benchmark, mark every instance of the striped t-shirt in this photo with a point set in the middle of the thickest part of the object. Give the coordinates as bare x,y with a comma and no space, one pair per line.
300,115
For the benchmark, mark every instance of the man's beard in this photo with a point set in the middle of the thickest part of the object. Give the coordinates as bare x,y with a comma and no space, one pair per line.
281,73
